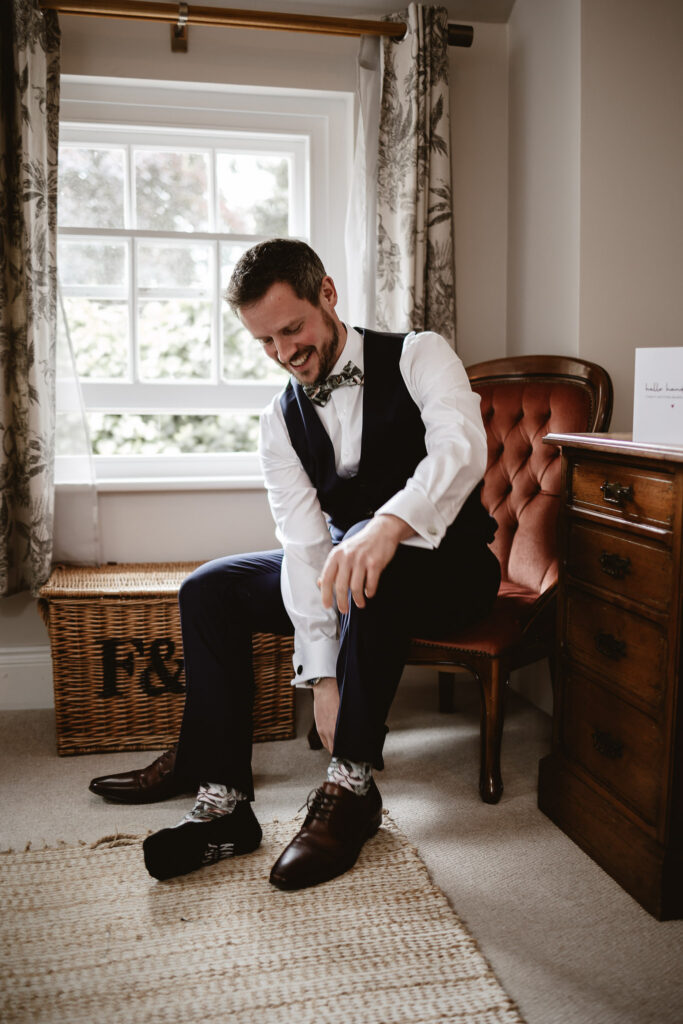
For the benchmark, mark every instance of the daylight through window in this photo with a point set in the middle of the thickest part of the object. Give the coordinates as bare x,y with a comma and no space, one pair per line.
150,230
159,195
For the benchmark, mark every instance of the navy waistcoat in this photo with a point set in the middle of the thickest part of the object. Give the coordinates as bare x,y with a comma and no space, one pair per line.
392,445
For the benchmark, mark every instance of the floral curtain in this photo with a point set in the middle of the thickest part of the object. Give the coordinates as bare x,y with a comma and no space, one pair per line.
415,283
29,83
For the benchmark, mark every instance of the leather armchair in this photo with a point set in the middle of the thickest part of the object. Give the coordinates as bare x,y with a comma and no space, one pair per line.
522,399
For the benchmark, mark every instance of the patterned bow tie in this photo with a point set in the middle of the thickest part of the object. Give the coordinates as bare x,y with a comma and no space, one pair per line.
320,393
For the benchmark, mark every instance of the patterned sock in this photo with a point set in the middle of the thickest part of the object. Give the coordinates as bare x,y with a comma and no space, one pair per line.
213,801
353,775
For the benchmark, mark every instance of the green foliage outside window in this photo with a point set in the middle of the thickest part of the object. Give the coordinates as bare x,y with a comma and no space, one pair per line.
173,316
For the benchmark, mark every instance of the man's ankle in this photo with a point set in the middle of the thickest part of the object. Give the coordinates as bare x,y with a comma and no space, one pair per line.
355,776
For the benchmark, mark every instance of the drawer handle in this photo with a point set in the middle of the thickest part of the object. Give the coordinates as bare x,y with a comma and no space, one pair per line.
616,494
609,646
615,565
607,745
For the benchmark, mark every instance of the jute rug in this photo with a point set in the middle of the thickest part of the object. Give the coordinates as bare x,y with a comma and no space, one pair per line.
87,936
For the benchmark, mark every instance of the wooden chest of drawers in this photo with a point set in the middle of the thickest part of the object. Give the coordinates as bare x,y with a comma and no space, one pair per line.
614,779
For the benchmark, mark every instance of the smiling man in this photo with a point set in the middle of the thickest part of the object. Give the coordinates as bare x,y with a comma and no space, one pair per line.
372,457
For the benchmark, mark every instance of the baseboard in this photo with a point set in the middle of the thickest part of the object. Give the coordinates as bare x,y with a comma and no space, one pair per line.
25,678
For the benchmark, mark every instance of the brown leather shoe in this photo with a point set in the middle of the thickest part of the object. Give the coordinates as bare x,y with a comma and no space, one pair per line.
336,826
144,786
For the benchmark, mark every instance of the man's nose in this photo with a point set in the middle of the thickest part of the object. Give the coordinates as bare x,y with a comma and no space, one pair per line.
285,348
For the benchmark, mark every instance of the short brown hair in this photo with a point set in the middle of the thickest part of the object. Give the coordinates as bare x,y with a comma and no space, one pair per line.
277,260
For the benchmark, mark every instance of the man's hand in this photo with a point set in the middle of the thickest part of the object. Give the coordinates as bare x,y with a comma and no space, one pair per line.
325,709
357,563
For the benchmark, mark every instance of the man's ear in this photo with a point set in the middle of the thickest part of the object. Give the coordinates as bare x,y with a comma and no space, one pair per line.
328,293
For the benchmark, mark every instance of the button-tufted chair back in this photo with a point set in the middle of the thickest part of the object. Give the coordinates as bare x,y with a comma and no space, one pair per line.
523,399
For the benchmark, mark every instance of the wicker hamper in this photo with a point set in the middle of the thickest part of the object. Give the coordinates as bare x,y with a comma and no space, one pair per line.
117,660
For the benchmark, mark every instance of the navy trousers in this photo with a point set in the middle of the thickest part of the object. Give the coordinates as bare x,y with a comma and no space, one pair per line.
224,601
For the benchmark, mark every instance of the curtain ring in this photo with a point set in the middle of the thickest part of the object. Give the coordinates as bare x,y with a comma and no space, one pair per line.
179,30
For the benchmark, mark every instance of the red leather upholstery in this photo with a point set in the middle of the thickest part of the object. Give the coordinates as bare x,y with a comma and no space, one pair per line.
522,480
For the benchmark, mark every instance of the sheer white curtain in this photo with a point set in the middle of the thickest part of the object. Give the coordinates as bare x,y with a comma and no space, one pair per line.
361,218
399,224
77,531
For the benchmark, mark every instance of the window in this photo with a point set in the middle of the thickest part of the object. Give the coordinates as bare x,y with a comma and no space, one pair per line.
161,189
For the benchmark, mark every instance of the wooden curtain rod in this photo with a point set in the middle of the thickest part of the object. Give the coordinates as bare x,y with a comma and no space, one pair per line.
458,35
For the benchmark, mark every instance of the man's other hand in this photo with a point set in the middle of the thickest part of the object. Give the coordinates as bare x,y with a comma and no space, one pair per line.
357,563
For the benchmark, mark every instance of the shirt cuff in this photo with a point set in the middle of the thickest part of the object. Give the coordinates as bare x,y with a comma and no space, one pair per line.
314,660
418,512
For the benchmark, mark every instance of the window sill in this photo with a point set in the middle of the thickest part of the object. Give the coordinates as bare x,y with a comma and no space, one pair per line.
124,485
237,472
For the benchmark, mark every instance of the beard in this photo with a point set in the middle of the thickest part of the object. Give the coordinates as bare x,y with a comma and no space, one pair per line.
328,352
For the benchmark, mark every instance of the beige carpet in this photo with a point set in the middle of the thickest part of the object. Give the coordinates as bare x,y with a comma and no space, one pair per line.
87,936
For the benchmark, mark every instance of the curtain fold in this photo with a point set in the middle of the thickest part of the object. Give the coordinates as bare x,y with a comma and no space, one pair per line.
361,214
29,83
415,283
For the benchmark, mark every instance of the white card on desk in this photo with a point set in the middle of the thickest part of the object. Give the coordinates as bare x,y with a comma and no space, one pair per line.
658,396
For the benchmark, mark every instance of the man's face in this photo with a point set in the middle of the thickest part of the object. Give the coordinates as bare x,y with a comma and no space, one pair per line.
304,339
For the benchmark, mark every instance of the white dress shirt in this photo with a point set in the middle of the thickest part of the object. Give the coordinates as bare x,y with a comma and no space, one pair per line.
455,440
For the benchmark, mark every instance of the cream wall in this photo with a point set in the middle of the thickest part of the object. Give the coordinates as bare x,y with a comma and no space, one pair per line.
543,219
187,524
631,281
479,144
126,49
595,243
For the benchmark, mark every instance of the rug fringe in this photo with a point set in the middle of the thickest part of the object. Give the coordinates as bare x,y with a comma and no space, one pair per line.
117,839
106,842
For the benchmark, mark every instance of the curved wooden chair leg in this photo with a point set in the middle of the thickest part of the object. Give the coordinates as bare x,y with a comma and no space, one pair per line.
492,681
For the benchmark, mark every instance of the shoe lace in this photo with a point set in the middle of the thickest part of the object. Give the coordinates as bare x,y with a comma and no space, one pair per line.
167,757
319,804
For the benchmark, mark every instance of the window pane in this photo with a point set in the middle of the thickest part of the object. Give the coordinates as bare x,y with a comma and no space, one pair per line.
166,265
92,263
171,190
99,335
243,357
91,187
131,434
253,193
174,339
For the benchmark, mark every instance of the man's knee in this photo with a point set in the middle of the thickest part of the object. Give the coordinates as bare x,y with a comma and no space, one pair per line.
208,583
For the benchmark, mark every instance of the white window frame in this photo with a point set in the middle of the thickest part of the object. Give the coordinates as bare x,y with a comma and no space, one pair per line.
320,127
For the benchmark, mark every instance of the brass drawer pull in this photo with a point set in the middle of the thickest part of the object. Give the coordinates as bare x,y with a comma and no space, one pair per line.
616,494
615,565
609,646
607,745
